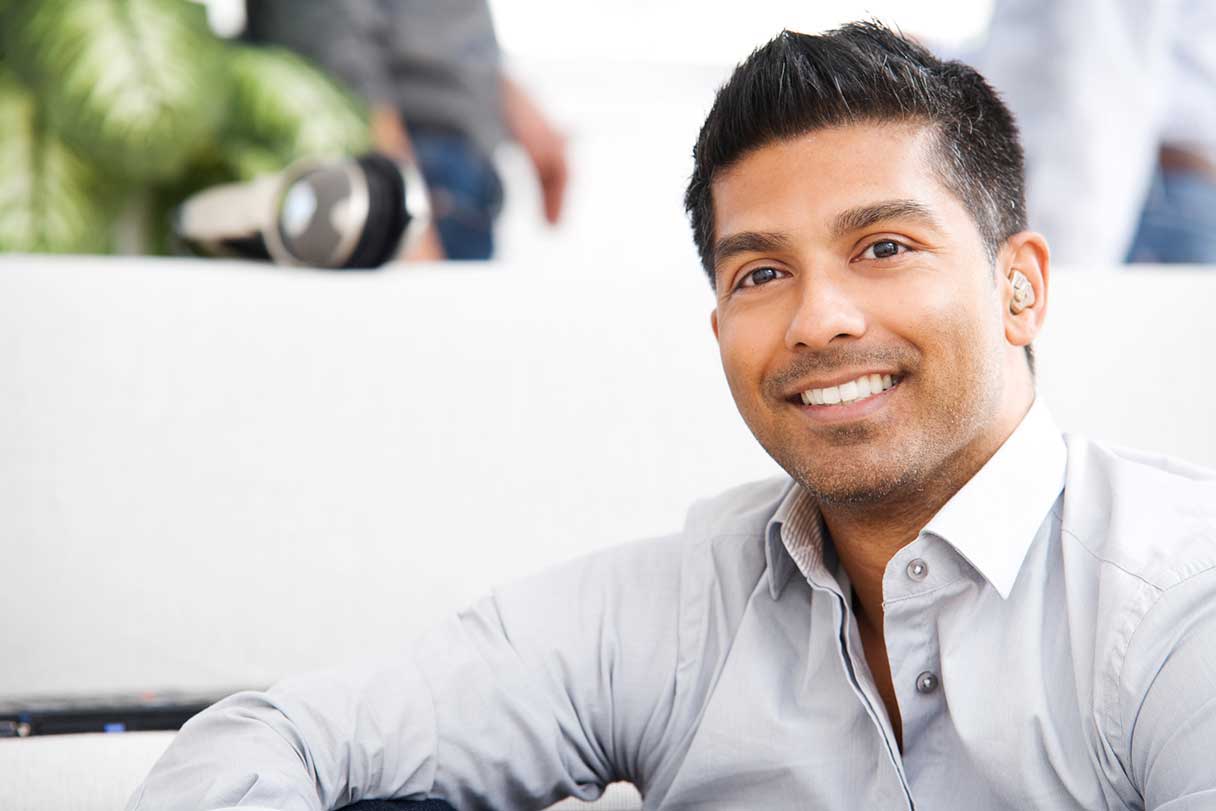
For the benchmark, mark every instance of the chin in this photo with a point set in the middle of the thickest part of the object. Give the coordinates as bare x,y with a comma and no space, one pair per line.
859,491
856,481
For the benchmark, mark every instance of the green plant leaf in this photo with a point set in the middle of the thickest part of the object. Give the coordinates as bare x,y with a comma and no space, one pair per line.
285,107
51,200
135,85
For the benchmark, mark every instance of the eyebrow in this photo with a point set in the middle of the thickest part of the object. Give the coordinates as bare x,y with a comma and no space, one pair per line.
749,242
855,219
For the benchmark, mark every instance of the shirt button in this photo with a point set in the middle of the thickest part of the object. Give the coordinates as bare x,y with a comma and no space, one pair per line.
926,682
918,569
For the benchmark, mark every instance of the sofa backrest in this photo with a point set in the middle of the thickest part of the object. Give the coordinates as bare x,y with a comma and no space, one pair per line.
213,474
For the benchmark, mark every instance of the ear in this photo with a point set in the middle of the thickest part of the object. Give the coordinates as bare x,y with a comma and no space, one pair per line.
1026,253
713,321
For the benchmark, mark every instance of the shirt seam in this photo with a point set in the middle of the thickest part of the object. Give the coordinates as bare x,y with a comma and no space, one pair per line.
1101,559
677,764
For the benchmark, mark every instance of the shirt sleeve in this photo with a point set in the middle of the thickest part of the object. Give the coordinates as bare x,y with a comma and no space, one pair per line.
551,687
1168,698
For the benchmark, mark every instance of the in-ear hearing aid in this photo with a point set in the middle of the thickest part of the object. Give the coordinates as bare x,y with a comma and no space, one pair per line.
1023,293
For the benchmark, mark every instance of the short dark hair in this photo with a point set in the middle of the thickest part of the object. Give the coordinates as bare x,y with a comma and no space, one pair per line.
864,72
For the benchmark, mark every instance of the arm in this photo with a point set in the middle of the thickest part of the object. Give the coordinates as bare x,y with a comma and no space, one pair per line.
1168,698
546,147
554,686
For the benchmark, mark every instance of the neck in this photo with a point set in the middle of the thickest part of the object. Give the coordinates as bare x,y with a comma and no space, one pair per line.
867,536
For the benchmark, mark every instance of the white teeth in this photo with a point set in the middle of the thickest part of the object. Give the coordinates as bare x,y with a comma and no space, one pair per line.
859,389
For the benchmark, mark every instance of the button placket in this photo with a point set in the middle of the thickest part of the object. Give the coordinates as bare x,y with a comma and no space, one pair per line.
914,586
851,659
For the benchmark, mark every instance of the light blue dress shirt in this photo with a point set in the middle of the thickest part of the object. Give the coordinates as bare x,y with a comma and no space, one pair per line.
1051,636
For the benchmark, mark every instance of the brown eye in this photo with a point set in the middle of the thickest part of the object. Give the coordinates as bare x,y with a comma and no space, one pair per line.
759,276
884,249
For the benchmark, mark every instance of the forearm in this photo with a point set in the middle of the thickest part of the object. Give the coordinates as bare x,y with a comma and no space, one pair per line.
545,145
315,742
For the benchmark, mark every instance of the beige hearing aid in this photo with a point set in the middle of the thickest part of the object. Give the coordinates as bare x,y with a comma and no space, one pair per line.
1023,293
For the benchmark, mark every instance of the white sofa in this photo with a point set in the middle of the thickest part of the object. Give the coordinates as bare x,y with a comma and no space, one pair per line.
214,474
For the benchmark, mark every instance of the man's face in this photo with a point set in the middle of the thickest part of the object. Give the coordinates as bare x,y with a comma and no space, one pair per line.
857,317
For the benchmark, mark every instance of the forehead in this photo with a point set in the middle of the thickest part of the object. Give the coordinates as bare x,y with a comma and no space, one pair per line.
804,181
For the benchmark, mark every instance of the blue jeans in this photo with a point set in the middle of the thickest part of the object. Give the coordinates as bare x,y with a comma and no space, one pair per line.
466,193
1178,223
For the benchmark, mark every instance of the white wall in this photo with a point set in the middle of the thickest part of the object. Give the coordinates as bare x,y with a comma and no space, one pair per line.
630,82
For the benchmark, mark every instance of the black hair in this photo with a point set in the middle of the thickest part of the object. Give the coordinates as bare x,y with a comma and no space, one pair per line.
864,72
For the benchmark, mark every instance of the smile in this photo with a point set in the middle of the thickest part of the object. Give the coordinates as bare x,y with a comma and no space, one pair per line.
859,389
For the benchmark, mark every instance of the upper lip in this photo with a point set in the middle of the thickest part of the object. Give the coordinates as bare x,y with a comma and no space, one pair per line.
835,380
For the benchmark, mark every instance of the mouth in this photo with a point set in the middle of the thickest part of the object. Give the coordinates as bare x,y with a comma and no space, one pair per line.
860,389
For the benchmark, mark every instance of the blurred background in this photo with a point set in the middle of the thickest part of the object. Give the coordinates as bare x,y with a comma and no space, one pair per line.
564,128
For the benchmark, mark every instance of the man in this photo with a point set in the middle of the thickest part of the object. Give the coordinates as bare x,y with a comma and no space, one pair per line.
946,606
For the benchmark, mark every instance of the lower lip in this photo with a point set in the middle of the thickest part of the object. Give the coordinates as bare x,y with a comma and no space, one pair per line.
849,411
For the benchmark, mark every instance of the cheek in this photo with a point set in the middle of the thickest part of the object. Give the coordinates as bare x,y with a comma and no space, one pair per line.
745,347
950,317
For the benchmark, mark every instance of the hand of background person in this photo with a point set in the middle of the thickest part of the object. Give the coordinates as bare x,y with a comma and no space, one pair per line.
389,136
545,145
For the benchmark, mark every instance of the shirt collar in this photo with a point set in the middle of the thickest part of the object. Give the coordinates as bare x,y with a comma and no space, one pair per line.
795,539
991,521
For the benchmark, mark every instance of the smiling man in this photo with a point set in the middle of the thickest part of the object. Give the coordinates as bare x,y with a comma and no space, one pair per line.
945,604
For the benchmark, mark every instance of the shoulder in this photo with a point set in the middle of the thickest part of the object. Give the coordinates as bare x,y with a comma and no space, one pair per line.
720,540
743,510
1138,534
1149,516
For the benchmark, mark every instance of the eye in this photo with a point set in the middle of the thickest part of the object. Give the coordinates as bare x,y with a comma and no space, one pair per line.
759,276
884,249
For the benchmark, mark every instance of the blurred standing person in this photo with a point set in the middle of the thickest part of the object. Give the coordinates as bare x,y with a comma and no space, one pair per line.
432,75
1116,100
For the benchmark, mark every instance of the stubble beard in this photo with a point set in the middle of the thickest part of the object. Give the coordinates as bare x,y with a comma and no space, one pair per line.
857,466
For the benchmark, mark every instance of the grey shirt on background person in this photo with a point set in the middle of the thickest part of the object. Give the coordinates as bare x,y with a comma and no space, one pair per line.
1051,634
437,63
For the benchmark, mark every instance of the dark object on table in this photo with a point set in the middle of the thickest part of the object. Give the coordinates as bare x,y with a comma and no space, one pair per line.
125,712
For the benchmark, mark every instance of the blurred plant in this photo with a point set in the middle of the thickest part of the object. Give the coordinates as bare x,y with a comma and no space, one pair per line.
105,104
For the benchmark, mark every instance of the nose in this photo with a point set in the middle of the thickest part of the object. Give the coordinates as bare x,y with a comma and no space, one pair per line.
826,311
